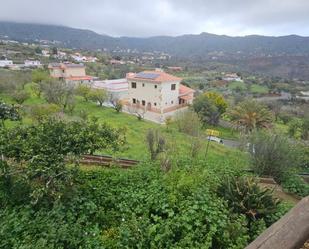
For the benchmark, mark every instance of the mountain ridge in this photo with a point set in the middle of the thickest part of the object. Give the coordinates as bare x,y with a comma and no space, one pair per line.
182,45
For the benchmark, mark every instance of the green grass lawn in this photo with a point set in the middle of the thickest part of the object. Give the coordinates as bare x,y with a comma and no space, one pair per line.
237,84
255,88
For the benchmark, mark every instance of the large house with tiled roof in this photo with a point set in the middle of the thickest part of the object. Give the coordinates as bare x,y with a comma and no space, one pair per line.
74,73
157,95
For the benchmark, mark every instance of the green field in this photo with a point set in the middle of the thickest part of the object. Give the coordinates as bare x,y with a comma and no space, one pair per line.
254,88
237,85
258,89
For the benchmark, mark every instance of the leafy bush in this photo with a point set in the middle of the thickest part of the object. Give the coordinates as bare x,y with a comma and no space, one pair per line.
156,143
188,122
272,155
140,208
37,153
20,96
8,112
245,196
296,185
209,107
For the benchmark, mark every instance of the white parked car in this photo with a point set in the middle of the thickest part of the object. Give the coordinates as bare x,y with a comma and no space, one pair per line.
215,139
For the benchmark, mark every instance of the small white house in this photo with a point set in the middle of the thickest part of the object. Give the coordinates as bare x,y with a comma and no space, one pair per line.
32,63
232,77
45,53
6,63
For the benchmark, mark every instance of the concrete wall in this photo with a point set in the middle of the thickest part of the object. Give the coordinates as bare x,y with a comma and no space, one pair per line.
155,117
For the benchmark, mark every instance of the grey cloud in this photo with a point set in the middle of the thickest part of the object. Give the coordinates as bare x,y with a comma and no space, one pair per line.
165,17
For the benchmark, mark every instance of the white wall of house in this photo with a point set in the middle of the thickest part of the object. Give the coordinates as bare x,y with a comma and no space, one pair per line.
29,63
147,91
169,96
155,95
5,63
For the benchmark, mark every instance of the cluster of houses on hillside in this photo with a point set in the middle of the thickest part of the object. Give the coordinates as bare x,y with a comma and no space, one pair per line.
27,64
154,95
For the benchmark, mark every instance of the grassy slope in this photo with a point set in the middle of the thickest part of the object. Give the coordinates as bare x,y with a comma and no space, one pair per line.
136,130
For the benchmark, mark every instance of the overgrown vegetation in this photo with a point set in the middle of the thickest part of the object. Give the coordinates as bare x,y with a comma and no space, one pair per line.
173,199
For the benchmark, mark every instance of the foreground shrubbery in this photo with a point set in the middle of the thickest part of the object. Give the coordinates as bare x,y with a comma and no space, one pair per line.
141,208
45,203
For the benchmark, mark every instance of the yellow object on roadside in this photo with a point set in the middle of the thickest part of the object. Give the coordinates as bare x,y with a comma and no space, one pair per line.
211,132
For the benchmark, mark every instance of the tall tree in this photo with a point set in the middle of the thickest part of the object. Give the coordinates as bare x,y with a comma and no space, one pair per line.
8,112
98,95
38,152
59,92
210,107
250,115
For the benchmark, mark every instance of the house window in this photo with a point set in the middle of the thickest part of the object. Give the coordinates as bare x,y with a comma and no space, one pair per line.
172,102
134,101
155,104
156,86
143,102
173,87
133,84
143,84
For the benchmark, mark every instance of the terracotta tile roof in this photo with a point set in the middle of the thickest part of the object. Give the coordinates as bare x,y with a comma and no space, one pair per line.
156,76
72,65
184,90
73,78
65,65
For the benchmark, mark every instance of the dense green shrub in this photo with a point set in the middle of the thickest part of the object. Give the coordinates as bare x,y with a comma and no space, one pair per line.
296,185
142,208
244,196
272,155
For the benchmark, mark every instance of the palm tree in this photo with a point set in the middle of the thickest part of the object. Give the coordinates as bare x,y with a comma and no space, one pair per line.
250,115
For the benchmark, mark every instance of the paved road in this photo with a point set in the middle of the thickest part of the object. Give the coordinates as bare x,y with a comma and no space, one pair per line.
227,142
231,143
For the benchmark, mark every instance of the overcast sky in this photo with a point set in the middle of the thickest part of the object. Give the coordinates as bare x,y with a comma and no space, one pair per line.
165,17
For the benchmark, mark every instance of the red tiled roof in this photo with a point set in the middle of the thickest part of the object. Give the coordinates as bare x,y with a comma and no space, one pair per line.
73,78
184,90
64,65
162,77
186,97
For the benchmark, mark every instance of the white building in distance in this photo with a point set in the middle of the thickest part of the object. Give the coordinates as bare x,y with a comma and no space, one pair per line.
32,63
6,63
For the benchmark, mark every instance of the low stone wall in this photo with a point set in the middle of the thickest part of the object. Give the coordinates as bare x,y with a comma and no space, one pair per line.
290,232
154,116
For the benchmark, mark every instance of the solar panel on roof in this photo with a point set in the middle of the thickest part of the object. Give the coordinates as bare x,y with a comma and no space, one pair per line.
151,76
